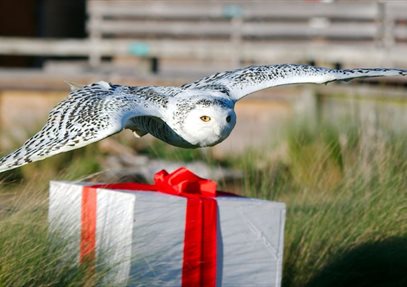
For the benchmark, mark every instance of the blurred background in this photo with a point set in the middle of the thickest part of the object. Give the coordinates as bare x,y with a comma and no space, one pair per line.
336,154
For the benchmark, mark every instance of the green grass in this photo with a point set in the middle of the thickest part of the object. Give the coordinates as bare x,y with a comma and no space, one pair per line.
346,205
29,255
345,193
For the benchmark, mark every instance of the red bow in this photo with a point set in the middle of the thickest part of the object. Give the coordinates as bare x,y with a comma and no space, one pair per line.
185,183
181,182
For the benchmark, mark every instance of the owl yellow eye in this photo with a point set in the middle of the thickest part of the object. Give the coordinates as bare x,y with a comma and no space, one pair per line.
205,118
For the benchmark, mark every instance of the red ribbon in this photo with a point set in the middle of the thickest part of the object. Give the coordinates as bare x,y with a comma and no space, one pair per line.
199,258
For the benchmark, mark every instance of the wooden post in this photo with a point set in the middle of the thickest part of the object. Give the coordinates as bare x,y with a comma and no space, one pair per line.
310,105
236,39
387,25
95,57
234,13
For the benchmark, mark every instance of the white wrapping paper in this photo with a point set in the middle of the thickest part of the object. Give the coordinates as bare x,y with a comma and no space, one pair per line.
141,235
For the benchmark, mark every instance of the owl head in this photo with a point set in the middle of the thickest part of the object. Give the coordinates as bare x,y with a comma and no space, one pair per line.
206,121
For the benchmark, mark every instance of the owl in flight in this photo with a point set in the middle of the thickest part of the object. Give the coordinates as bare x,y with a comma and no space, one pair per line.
197,114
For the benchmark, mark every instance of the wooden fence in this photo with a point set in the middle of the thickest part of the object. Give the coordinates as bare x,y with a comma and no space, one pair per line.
351,33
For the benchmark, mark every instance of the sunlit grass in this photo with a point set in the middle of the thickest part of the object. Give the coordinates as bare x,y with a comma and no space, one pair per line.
341,195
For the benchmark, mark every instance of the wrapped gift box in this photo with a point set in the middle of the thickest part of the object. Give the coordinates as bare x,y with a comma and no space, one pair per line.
177,232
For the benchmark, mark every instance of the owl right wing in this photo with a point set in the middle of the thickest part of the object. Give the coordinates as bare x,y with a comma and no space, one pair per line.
242,82
88,115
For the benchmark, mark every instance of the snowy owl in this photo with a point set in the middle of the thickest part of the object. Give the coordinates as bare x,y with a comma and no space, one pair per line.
197,114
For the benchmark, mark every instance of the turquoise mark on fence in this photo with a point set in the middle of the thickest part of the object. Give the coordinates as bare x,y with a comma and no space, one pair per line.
232,11
139,49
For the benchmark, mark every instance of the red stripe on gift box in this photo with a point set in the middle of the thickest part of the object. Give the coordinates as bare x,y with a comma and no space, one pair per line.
88,225
199,261
209,242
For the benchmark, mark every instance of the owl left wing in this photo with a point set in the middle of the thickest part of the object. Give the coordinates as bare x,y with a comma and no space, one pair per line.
242,82
89,114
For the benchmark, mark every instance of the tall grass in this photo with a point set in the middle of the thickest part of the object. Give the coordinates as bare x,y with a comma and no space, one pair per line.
346,202
345,192
29,255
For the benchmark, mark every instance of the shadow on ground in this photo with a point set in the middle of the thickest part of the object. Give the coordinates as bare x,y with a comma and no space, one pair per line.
381,264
